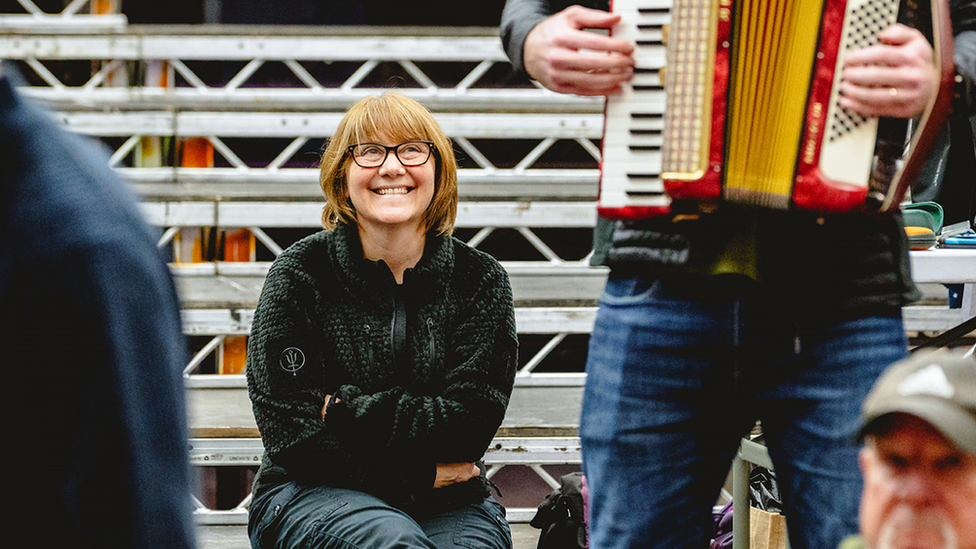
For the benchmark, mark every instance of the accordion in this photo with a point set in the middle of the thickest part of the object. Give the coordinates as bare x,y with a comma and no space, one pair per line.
736,101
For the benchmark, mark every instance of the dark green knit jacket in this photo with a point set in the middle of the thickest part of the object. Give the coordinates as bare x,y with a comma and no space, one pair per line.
423,371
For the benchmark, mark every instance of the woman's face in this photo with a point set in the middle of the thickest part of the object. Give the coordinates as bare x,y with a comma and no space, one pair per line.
390,195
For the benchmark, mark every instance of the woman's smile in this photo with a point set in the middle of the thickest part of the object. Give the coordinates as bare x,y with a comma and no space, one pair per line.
393,190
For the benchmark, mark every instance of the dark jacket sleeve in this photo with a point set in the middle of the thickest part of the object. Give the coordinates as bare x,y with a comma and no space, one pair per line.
457,423
519,17
286,375
284,368
946,175
963,14
288,380
966,68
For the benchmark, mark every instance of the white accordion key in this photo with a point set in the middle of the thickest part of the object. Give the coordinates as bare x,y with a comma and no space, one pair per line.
633,134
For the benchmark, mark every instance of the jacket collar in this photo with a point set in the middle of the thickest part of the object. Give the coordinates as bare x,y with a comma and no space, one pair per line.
364,277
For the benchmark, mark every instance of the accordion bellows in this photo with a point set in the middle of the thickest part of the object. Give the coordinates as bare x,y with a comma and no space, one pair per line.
751,113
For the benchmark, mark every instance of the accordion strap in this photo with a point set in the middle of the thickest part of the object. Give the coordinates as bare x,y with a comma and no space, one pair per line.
935,116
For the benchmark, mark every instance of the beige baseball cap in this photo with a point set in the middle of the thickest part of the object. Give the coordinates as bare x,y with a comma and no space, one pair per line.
938,387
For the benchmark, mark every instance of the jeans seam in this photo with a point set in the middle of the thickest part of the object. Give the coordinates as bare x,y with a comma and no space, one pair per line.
270,515
459,525
322,533
629,300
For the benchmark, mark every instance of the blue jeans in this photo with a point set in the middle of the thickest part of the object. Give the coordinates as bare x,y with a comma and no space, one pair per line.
292,516
679,371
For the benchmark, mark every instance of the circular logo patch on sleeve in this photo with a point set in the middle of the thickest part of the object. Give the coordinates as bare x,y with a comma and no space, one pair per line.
292,359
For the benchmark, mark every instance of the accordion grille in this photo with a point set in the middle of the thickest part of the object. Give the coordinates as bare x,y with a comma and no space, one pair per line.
688,85
774,49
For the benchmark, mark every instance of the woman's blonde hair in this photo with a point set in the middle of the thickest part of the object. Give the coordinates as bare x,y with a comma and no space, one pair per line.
398,118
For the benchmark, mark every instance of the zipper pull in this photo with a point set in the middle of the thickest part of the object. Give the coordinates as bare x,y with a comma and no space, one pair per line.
369,348
430,340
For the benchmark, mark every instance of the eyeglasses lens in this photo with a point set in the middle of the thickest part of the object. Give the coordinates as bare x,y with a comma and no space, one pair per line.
411,153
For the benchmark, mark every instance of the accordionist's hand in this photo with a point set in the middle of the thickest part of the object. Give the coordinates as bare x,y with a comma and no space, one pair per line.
894,78
565,58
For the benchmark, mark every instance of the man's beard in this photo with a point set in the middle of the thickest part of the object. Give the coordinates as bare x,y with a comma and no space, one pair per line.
910,528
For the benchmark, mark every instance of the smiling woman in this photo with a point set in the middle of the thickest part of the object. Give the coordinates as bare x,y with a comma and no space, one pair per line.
392,199
375,438
396,119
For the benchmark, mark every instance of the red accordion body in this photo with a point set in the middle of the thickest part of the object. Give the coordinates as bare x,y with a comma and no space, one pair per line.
747,110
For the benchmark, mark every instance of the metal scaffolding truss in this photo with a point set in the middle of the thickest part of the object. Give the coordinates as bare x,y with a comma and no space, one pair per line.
68,11
69,19
553,302
285,135
223,323
529,157
461,74
525,219
463,126
212,185
232,290
319,68
308,214
316,68
477,104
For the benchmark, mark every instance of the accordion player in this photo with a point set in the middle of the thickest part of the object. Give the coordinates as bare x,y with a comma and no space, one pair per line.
747,109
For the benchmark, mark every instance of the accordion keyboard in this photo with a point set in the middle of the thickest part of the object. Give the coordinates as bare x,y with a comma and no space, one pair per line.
634,125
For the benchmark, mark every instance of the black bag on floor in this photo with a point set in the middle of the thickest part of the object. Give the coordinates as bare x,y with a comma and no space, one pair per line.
561,517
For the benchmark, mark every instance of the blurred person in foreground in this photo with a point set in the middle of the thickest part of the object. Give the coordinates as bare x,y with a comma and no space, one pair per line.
919,459
92,342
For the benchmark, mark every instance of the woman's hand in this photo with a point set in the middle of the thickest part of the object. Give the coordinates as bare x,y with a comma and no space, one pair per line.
894,78
325,407
453,473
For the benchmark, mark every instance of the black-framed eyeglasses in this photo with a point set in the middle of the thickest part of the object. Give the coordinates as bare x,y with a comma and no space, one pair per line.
373,155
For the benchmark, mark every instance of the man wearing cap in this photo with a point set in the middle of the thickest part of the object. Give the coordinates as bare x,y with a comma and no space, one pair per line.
919,459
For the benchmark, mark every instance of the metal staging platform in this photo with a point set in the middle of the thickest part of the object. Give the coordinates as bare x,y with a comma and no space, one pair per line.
510,139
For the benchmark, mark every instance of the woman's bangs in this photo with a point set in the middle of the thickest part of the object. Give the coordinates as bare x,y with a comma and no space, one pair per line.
391,121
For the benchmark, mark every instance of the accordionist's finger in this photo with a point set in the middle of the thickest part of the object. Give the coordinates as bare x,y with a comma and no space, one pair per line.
879,76
900,34
590,83
588,18
567,29
592,92
891,101
591,61
584,40
899,46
